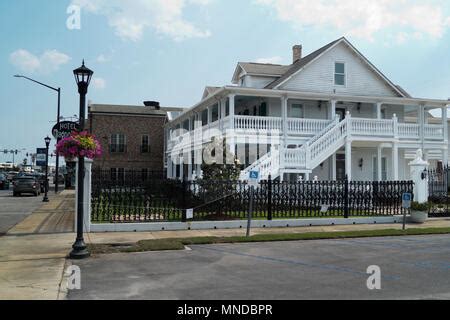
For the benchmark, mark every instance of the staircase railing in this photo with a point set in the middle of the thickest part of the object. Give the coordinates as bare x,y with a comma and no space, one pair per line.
267,164
327,143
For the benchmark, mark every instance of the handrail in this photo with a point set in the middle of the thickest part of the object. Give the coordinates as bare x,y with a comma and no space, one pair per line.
324,131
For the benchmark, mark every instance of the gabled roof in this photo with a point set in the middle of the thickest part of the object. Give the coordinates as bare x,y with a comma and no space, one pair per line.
209,91
300,64
261,69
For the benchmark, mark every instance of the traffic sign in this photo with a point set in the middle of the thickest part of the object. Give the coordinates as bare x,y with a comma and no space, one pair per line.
253,178
41,157
406,200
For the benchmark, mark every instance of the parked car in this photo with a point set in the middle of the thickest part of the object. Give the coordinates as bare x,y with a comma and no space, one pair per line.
11,175
61,179
4,182
40,177
26,184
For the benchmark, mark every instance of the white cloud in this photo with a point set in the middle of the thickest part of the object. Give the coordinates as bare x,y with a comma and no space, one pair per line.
102,59
364,18
130,18
98,83
272,60
48,62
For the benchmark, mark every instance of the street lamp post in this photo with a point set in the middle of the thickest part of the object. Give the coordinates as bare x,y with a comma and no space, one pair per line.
83,76
57,116
47,143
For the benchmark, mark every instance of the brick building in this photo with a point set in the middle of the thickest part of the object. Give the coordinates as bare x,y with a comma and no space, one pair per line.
132,137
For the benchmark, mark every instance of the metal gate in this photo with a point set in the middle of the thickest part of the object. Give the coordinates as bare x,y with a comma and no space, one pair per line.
438,192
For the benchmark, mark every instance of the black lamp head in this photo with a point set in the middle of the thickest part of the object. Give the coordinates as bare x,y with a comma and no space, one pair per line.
83,75
47,140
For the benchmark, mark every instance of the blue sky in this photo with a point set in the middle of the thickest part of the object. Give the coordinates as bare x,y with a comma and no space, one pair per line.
168,50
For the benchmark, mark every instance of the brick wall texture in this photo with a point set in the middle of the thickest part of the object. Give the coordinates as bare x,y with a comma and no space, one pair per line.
133,126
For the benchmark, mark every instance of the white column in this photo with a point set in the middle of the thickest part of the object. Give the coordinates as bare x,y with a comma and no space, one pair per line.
169,167
222,106
231,98
190,165
348,159
417,166
284,117
395,161
333,167
174,170
181,168
209,114
395,123
332,113
230,132
378,107
86,195
421,119
445,156
445,124
379,167
307,176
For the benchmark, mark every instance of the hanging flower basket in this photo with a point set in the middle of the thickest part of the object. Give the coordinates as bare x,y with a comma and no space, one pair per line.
79,144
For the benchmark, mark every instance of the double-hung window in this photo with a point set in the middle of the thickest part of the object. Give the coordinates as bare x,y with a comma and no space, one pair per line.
296,110
339,73
145,144
118,143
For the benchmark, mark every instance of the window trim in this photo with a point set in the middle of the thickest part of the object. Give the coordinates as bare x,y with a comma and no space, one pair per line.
302,108
142,143
336,73
118,144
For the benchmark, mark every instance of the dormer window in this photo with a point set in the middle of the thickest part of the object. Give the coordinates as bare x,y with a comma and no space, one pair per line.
339,73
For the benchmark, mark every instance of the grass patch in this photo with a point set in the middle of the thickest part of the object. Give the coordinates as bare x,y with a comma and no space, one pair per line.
179,243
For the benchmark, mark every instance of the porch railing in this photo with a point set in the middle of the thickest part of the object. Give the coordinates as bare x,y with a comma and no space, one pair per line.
433,131
408,130
306,126
372,127
258,123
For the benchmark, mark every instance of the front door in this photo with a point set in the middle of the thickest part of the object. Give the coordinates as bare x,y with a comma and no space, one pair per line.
341,113
340,166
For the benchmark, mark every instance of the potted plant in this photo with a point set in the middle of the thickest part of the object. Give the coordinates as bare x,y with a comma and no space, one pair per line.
419,212
79,144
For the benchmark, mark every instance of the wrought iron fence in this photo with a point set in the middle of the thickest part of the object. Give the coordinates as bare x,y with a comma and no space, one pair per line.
133,199
438,192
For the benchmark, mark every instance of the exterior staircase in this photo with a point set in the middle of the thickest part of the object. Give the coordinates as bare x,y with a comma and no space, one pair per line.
310,155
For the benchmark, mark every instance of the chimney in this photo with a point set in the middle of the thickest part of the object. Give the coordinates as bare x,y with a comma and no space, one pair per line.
296,53
154,104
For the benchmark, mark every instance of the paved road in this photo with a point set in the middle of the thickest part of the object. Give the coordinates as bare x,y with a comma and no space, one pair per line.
15,209
411,268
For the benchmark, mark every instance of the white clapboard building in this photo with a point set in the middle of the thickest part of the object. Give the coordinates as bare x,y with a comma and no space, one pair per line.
328,115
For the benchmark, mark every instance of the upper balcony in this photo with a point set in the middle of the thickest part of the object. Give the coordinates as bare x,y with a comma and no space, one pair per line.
360,128
298,119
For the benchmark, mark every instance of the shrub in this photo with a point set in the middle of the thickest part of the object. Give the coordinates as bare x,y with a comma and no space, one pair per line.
419,206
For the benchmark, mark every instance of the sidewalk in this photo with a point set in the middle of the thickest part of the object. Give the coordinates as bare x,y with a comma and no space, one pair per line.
32,263
55,216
